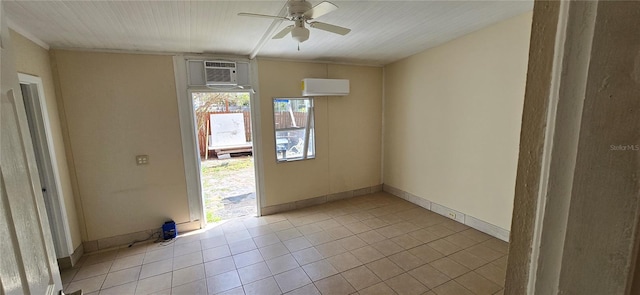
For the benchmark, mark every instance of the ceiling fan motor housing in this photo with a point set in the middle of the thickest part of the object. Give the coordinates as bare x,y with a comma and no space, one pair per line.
297,8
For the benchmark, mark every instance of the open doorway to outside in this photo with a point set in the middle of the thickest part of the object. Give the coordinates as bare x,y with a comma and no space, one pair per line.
223,122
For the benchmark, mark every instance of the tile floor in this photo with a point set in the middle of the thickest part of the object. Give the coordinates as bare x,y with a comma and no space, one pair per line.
373,244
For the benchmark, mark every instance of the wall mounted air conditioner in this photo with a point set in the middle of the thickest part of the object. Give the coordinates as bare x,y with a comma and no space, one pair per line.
219,72
325,87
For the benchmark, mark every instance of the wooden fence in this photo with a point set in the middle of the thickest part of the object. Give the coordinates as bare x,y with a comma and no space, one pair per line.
281,119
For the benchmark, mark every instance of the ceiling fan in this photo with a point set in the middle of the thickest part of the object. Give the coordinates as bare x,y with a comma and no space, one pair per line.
300,12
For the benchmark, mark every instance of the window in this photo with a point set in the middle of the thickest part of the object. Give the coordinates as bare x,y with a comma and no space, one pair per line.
294,128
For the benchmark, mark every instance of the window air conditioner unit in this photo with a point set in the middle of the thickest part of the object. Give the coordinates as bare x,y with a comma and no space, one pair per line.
325,87
219,72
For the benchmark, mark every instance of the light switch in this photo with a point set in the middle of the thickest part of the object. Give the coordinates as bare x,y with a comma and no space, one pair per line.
142,159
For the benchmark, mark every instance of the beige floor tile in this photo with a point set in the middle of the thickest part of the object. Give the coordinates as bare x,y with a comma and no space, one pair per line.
87,271
454,225
259,231
154,284
346,219
242,246
357,227
371,237
425,236
281,264
157,255
452,288
267,286
460,240
309,289
309,229
126,289
319,238
87,285
377,289
327,224
501,263
429,276
67,275
485,253
288,234
216,253
406,241
187,248
406,284
375,223
351,243
449,267
307,256
385,268
213,242
91,259
406,260
266,240
496,245
156,268
444,247
475,235
478,284
187,260
198,287
297,244
319,270
218,266
280,225
367,254
360,277
334,285
330,249
127,262
292,279
440,230
339,232
467,259
273,251
426,253
187,275
122,277
254,272
237,236
387,247
223,282
133,250
344,261
493,273
247,258
234,291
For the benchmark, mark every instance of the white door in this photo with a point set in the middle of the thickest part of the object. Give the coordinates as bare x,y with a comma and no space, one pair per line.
27,264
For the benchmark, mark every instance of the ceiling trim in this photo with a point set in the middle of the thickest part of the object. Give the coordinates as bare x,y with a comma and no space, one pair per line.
268,33
20,30
330,62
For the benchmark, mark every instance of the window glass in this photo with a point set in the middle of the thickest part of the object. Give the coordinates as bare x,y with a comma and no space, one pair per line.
294,129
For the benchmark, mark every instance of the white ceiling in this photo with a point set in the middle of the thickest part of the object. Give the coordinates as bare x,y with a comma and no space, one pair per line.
382,31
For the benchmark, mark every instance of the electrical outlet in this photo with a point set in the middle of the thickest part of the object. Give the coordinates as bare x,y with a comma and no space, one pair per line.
142,159
452,215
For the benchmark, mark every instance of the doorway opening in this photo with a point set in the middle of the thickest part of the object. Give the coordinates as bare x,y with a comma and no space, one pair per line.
225,145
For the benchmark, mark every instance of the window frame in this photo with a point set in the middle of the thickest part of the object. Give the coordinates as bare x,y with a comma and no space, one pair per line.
309,131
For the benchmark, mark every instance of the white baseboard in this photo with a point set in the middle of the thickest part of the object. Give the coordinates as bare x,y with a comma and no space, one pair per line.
483,226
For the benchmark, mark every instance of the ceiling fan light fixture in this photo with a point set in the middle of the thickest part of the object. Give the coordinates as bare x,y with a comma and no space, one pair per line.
300,34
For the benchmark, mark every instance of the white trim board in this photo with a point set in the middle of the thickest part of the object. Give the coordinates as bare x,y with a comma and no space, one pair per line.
59,218
483,226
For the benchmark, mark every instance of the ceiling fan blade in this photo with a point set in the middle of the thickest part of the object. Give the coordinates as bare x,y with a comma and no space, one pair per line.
261,15
330,28
283,33
320,10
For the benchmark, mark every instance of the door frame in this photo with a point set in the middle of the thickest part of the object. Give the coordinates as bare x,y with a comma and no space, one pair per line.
189,137
56,210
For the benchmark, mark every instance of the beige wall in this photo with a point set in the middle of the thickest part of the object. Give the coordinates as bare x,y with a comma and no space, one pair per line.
119,106
452,121
34,60
348,132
